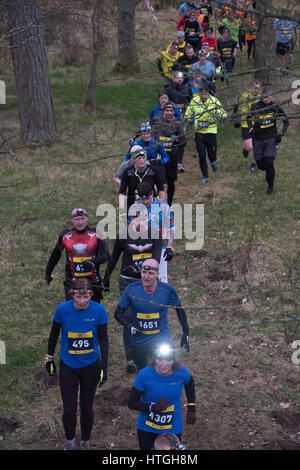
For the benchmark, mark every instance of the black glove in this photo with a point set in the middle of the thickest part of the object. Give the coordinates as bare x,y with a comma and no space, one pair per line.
278,138
50,366
168,253
160,406
184,343
48,278
191,414
103,377
88,264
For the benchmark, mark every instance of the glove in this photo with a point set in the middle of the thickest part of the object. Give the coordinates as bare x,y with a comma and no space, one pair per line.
191,414
160,405
132,140
168,253
88,264
50,365
184,343
48,278
103,377
278,138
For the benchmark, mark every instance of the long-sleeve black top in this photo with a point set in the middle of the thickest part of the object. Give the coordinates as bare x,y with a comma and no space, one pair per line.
263,119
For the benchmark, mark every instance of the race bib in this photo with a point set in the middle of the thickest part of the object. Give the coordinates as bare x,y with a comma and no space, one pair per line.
80,343
79,270
266,121
202,123
138,259
148,323
163,420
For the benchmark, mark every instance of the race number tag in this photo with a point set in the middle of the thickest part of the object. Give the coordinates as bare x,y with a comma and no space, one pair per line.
79,270
149,323
163,420
80,343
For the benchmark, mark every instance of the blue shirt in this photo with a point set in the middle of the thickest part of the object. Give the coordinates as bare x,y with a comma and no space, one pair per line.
160,217
153,150
156,386
284,30
150,312
79,342
208,69
157,111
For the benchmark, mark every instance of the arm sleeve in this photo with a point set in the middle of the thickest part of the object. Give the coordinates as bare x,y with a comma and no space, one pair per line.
103,343
124,183
190,391
53,337
119,316
183,320
116,253
134,401
56,254
281,114
103,253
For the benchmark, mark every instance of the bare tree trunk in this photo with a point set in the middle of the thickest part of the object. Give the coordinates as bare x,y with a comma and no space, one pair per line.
90,101
30,62
128,59
265,41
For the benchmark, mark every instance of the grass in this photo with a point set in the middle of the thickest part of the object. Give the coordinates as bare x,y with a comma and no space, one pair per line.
247,270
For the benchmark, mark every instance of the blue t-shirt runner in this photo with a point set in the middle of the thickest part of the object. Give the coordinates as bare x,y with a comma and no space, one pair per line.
79,342
156,386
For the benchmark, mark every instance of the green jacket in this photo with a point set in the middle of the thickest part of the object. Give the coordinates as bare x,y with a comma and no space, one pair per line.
233,28
205,114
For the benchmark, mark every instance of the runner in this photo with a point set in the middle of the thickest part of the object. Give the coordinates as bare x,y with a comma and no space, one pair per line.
156,394
166,60
135,174
85,252
83,358
185,62
177,92
193,31
285,30
149,299
246,100
227,52
205,111
265,138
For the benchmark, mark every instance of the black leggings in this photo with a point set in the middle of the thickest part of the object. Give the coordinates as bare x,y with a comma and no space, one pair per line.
206,142
267,164
88,378
146,439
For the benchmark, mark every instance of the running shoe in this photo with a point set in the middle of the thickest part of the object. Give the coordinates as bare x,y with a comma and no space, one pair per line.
180,168
253,168
214,166
204,181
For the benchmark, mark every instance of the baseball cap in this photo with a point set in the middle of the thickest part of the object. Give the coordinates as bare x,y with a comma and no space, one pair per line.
201,52
79,212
